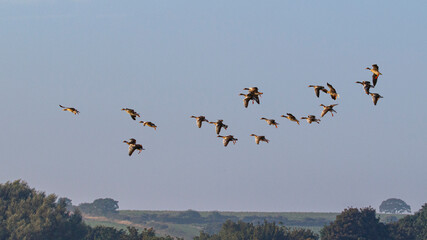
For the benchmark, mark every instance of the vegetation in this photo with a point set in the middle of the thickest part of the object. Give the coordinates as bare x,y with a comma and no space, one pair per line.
28,214
31,215
265,231
411,227
355,224
100,207
394,205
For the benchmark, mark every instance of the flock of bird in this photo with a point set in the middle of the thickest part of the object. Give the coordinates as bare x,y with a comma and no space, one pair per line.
254,95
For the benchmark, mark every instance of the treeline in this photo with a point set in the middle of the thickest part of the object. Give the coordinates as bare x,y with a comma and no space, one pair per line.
351,224
31,215
108,207
265,231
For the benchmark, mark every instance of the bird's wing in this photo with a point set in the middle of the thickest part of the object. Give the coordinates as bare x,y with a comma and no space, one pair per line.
375,67
256,98
367,87
131,149
199,123
218,128
132,116
226,141
374,79
246,102
323,112
375,99
316,90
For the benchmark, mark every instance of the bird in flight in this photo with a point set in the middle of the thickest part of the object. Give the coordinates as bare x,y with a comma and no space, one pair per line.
317,89
133,146
148,124
227,139
70,109
218,125
366,86
375,97
291,117
259,138
200,120
131,112
270,122
375,73
327,109
311,118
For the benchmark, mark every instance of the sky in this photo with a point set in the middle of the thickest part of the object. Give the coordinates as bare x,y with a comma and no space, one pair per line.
169,60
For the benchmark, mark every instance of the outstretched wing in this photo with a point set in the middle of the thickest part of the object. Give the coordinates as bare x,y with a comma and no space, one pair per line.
131,149
374,79
256,98
323,112
332,89
226,141
316,90
375,99
246,102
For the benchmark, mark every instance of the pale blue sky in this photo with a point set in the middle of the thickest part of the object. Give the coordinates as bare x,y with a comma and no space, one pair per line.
172,59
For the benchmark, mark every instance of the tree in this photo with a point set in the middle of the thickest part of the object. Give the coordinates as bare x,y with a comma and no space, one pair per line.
249,231
28,214
412,227
67,202
101,206
355,224
394,205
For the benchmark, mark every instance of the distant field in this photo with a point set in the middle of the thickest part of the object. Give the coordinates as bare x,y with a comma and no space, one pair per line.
188,224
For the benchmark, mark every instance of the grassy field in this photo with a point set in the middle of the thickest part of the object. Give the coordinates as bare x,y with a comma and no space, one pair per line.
169,222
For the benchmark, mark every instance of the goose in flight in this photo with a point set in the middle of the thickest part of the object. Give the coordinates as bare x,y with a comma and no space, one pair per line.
375,73
259,138
70,109
256,94
311,118
317,89
133,146
270,121
200,120
248,97
218,125
148,124
327,109
332,92
366,86
375,97
131,112
227,139
291,117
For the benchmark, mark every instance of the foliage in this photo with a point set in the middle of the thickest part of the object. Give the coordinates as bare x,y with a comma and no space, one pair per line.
28,214
355,224
248,231
100,207
68,203
394,205
413,227
110,233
